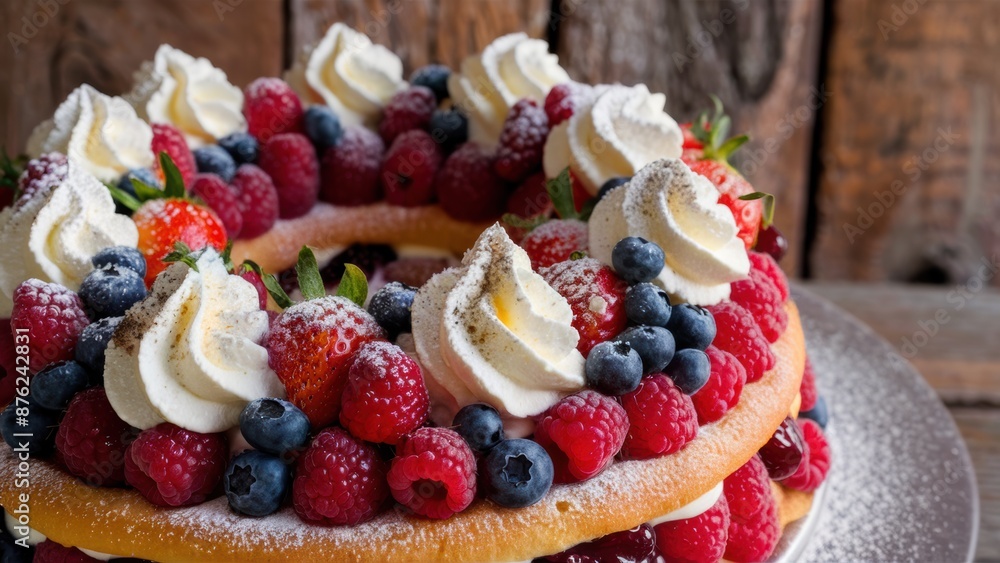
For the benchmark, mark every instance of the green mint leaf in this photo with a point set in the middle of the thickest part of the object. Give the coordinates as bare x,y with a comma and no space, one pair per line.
354,285
272,285
126,199
519,222
310,282
173,181
144,191
560,191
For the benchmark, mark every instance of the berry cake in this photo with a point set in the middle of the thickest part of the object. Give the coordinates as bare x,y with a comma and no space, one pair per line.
488,314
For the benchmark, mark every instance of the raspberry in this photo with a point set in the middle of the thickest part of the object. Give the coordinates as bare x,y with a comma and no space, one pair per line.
409,168
8,363
434,473
42,174
555,241
521,141
258,283
769,267
290,160
339,480
351,169
221,199
662,420
597,296
385,398
414,271
51,552
92,439
816,461
257,200
701,539
582,434
754,528
758,295
407,110
563,99
724,387
466,186
172,466
807,390
53,317
169,139
738,334
271,108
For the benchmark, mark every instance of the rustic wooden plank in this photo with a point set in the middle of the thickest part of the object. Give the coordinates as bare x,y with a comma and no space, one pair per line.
981,430
908,187
103,43
760,58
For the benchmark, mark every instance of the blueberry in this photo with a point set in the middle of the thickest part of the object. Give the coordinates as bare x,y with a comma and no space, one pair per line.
243,147
613,368
215,160
611,184
92,344
11,552
637,260
110,291
323,127
654,344
38,432
647,304
256,483
818,414
449,128
434,77
518,473
391,307
125,185
480,425
690,370
122,256
692,326
275,426
53,387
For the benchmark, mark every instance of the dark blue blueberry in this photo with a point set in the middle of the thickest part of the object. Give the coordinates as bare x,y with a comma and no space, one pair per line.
391,307
690,370
449,128
518,473
243,147
323,127
256,483
692,326
647,304
654,344
122,256
215,160
480,425
125,184
818,414
11,552
275,426
613,368
92,344
637,260
53,387
434,77
611,184
29,426
110,291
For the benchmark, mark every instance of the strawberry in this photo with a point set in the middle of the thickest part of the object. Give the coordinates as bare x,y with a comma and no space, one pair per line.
596,295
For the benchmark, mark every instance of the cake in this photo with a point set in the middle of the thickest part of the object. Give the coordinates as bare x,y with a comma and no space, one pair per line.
488,314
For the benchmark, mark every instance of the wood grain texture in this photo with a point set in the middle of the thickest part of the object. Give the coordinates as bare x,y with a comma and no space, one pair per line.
914,90
760,58
103,43
981,430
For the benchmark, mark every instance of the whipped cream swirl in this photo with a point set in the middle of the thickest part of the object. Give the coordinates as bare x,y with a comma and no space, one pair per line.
512,67
494,331
53,235
349,73
622,129
190,94
667,203
102,133
190,353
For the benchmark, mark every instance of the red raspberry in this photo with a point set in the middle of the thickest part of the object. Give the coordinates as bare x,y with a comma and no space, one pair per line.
172,466
816,461
737,333
563,99
724,387
385,398
701,539
407,110
41,174
220,198
53,317
582,433
754,528
271,108
339,480
807,389
414,271
92,439
764,263
662,420
466,186
555,241
597,296
51,552
351,169
8,363
257,199
290,160
258,284
169,139
409,168
531,198
521,141
758,295
434,473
